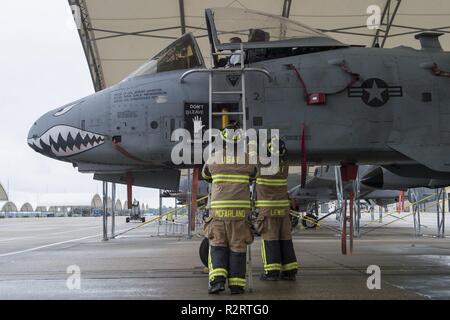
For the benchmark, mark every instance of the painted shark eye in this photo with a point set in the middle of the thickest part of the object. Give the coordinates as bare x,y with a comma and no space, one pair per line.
66,109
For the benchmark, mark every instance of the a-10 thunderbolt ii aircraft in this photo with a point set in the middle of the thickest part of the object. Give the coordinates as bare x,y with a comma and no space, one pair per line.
333,103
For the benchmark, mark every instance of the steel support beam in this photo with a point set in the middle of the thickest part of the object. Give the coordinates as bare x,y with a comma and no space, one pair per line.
105,211
389,18
348,173
90,48
416,212
339,195
160,210
113,210
440,211
182,17
195,178
386,11
129,191
286,8
189,196
416,30
357,205
346,30
142,33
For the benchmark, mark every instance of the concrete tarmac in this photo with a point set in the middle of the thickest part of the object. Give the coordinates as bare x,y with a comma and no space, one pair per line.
35,254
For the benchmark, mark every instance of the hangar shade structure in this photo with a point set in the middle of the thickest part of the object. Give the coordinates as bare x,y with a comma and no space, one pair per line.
70,200
26,207
3,194
8,206
119,36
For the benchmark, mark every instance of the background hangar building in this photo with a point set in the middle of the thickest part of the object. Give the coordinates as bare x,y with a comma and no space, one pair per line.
57,203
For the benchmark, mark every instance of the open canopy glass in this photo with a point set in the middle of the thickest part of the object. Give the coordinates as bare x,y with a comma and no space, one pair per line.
258,28
183,53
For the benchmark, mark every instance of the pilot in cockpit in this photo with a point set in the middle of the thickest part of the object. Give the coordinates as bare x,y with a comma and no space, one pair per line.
235,58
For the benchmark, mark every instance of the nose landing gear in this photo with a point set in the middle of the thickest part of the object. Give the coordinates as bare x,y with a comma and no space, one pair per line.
135,214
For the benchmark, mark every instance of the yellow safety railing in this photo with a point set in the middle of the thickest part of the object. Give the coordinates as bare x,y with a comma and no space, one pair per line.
301,216
159,217
433,203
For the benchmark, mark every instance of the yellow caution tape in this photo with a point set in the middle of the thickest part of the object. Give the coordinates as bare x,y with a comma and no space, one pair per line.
159,217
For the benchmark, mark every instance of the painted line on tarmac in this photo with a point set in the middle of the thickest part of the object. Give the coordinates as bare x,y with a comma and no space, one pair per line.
48,235
51,245
68,231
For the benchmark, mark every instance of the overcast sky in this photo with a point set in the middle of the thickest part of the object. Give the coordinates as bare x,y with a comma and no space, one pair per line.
42,67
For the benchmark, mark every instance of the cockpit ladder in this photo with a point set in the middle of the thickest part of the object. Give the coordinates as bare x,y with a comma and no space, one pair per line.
241,71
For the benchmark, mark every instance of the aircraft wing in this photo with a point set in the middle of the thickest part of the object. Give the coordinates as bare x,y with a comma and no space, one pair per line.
159,179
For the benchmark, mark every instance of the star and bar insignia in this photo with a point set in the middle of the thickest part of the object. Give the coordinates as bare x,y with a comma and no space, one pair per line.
375,92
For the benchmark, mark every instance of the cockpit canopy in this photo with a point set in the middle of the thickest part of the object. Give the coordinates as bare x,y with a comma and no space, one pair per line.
181,54
263,36
260,30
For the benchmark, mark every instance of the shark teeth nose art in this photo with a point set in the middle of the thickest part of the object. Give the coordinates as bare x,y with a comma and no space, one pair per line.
65,141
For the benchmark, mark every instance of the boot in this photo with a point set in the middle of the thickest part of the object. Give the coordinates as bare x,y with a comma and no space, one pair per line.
216,287
236,290
288,275
270,276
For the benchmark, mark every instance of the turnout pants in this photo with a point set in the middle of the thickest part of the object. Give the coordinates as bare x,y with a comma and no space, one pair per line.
277,249
228,240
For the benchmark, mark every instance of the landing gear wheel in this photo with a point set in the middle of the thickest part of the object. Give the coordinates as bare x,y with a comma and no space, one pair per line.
309,221
127,220
203,251
143,219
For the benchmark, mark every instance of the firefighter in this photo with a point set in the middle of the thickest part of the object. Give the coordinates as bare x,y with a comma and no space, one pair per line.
273,222
228,227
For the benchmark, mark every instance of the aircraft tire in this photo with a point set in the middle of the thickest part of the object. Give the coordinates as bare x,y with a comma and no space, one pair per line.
127,220
143,219
310,222
203,251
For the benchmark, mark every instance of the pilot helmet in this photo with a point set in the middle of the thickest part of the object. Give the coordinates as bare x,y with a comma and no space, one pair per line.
277,147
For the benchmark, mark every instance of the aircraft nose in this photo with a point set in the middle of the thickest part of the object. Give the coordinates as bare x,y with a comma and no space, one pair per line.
374,178
31,133
33,137
61,134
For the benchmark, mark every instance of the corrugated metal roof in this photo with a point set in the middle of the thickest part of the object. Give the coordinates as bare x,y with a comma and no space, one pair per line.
118,36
